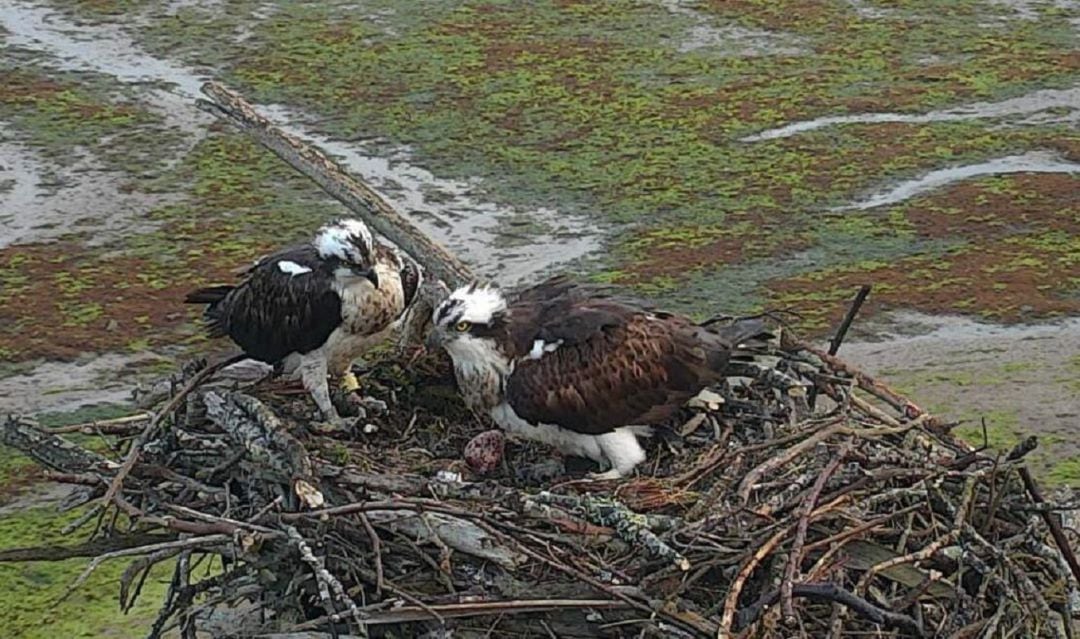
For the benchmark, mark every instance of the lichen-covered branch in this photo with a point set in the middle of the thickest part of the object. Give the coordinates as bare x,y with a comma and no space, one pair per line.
631,527
52,451
271,447
357,196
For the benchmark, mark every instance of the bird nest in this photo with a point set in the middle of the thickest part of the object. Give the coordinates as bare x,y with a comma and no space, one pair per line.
803,499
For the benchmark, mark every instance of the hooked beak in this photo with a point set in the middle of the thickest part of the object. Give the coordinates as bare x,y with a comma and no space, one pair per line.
433,340
370,275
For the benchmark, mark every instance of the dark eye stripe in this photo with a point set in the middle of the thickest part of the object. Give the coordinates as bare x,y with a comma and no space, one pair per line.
445,310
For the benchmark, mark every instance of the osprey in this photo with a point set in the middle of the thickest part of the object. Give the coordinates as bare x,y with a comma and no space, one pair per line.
315,307
580,370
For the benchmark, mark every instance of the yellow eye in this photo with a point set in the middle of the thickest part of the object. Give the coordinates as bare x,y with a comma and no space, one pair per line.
461,327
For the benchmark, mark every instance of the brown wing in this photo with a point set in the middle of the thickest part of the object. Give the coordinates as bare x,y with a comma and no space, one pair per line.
616,367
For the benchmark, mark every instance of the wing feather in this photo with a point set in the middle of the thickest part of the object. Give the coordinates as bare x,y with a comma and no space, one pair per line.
614,369
273,313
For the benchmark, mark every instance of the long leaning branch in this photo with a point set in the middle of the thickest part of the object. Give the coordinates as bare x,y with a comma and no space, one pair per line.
357,196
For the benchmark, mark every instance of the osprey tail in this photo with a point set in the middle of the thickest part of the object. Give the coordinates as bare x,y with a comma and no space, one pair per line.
736,340
211,296
208,295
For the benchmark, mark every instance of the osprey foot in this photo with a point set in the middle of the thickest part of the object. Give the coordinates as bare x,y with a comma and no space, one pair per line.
348,403
373,406
333,427
607,475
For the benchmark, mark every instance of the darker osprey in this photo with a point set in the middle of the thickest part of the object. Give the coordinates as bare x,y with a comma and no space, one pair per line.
580,370
315,307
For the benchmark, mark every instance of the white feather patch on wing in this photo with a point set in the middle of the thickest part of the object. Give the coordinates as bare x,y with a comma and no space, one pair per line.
292,268
540,347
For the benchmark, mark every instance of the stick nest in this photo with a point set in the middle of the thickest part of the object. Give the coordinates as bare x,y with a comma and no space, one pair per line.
807,500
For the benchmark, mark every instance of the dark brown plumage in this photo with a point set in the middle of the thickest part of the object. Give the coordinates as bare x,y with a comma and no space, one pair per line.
581,368
314,307
617,364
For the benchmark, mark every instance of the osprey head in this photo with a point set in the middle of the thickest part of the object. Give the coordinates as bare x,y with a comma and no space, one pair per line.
467,320
349,242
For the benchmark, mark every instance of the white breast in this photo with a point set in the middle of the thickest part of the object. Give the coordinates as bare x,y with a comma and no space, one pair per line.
565,440
367,315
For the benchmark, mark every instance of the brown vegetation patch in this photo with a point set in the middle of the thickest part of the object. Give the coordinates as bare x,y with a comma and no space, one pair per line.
678,252
18,87
1013,279
1066,61
59,300
910,92
503,54
1069,148
1023,203
15,483
795,15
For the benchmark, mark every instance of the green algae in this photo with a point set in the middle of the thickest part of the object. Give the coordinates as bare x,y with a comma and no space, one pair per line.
32,606
29,607
62,115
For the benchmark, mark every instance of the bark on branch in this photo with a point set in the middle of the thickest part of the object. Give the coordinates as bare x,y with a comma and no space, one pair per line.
357,196
52,451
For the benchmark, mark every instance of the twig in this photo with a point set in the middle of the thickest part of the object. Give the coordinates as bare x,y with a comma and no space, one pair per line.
193,542
841,332
577,574
869,384
834,593
407,614
795,559
849,317
151,429
776,461
117,426
731,602
376,549
930,549
1052,522
92,548
330,588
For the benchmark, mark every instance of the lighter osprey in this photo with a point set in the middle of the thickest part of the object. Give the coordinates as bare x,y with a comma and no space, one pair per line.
315,307
575,368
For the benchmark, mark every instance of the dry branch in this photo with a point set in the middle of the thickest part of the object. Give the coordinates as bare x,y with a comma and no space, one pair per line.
357,196
819,513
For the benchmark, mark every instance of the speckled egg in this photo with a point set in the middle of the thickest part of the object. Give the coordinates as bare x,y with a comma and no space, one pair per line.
484,452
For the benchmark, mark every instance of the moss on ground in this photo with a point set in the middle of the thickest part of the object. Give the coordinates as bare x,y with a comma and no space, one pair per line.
64,115
603,108
31,607
632,113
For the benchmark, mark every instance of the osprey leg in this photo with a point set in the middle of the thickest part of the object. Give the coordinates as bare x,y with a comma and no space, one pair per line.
313,373
622,450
